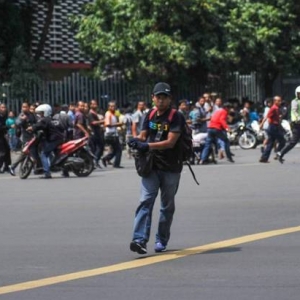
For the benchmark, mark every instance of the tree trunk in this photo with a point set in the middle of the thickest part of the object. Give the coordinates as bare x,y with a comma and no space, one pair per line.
43,38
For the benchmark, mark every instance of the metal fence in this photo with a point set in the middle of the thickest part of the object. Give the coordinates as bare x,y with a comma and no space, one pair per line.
78,87
244,86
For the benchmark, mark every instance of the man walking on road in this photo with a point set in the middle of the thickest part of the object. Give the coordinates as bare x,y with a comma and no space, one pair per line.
217,129
295,118
162,137
274,130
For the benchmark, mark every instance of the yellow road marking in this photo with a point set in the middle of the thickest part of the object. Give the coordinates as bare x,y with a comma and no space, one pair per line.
146,261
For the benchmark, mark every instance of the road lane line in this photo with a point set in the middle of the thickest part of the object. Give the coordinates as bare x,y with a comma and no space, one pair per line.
137,263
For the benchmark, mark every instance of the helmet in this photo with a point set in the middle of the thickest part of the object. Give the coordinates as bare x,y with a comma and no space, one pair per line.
297,91
45,108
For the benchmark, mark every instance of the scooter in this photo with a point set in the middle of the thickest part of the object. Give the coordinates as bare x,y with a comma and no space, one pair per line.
242,135
74,156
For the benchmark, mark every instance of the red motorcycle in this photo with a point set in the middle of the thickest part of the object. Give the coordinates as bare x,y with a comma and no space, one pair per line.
74,156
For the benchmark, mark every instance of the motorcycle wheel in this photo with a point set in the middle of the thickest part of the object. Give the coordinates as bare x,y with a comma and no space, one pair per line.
88,165
247,140
25,168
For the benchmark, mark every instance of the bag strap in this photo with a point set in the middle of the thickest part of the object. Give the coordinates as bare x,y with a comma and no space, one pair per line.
194,176
170,116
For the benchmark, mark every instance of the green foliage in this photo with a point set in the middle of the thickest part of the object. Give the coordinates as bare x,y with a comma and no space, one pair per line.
146,38
24,73
17,68
171,38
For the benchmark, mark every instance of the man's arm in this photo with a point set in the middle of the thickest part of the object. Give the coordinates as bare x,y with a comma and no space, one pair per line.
294,109
223,121
80,126
107,122
169,143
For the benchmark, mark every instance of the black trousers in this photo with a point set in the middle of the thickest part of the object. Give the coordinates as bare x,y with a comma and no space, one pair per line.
295,139
5,158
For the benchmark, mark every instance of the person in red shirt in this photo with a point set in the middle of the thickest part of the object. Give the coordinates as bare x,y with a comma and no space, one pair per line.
274,131
217,128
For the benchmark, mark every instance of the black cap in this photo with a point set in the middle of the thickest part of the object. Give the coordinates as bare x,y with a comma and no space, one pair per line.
162,88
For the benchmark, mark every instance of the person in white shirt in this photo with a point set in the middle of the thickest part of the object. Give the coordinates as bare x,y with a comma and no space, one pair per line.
111,136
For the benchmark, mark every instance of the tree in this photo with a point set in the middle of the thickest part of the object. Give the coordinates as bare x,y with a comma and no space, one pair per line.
263,37
188,40
17,68
151,38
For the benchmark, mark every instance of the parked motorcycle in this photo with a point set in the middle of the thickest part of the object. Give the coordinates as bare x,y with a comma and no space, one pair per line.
287,130
74,156
258,131
242,135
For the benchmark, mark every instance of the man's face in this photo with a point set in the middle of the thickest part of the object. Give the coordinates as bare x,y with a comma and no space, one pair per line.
80,106
201,101
206,97
141,106
298,95
32,109
2,108
25,108
218,102
72,108
183,106
161,101
11,114
112,107
94,105
277,101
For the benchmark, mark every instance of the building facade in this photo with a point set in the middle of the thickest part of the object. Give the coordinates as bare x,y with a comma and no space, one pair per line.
61,50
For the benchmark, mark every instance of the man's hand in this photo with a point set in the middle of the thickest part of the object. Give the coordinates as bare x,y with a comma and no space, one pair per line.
29,128
132,141
138,145
141,146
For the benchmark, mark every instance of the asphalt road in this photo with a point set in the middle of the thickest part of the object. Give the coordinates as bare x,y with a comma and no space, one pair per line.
68,239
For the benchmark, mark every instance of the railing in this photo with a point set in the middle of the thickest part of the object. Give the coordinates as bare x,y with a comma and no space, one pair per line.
78,87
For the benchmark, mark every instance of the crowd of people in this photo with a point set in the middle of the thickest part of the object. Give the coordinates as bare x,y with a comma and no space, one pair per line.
156,132
209,118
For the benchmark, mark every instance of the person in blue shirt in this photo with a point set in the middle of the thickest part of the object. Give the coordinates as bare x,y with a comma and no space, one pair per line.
11,132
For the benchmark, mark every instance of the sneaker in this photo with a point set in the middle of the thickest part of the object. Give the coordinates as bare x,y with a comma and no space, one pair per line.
46,176
139,247
97,165
104,161
263,160
11,171
280,157
65,174
159,247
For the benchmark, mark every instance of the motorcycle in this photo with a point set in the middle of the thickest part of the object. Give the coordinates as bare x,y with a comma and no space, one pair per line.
74,156
258,131
243,135
287,130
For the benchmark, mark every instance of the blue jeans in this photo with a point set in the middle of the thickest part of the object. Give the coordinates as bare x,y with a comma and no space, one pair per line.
168,183
275,134
13,142
212,136
47,148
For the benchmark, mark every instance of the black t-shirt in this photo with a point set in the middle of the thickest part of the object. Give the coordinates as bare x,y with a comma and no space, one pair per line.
168,160
81,119
92,117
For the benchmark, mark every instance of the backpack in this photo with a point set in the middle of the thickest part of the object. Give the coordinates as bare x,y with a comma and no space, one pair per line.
185,139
